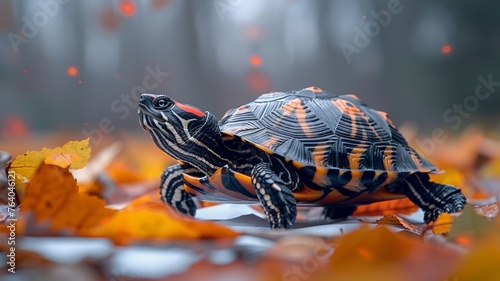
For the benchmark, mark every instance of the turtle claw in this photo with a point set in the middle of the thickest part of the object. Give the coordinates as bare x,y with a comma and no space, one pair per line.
276,198
432,215
285,216
456,205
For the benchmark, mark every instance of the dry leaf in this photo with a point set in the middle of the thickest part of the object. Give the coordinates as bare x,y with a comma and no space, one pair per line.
155,221
52,196
73,154
397,220
399,206
488,210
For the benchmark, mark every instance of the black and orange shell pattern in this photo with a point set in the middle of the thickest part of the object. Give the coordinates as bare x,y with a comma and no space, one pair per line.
344,152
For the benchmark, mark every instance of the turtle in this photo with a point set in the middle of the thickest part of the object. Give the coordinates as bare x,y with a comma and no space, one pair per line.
308,147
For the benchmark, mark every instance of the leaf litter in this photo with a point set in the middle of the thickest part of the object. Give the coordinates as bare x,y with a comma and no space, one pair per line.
392,247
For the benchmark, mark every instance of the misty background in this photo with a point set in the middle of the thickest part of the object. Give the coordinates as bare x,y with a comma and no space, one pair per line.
77,66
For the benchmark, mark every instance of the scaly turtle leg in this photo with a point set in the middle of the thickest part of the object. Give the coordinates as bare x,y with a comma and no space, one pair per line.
276,198
172,189
432,197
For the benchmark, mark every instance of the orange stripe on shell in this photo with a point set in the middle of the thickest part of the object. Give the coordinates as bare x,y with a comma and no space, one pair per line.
319,153
354,184
314,89
301,115
388,158
355,156
386,117
320,177
346,107
270,142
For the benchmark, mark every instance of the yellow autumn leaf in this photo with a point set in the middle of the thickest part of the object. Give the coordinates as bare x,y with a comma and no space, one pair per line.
74,155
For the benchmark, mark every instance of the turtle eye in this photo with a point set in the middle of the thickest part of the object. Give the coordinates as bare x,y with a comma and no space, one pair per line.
162,103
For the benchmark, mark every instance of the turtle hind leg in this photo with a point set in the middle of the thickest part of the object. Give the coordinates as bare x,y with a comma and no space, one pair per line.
276,198
172,189
432,197
339,212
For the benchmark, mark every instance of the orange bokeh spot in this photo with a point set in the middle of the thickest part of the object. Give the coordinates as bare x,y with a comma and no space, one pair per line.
253,32
109,19
127,8
14,126
257,81
364,253
446,49
464,240
255,61
72,71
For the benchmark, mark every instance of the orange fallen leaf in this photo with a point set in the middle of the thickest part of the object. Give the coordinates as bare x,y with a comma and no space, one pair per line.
52,196
392,219
400,206
154,221
381,254
73,154
365,253
442,224
144,199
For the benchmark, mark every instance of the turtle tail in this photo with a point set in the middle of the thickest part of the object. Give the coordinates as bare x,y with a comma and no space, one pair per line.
432,197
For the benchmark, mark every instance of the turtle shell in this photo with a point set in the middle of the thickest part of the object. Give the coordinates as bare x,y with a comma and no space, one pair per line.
312,127
343,150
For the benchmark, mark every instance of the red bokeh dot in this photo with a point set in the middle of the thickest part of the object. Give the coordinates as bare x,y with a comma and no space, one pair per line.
257,81
446,49
255,60
127,8
72,71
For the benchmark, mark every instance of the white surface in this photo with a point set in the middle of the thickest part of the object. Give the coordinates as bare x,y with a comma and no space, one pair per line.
67,250
226,211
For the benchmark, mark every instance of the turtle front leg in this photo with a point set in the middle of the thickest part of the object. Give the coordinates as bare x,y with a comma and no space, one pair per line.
276,198
172,189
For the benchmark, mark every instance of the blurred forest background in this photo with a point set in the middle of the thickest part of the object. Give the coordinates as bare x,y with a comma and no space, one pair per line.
79,66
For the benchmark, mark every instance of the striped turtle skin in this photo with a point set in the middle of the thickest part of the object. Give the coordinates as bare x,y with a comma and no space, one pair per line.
307,147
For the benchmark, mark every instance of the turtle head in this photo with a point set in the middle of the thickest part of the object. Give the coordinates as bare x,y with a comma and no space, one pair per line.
182,131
